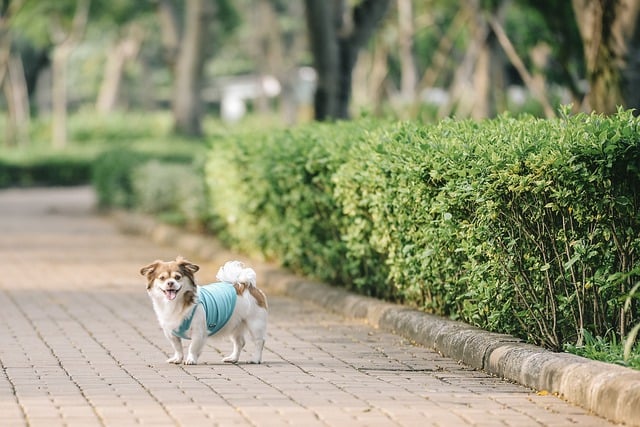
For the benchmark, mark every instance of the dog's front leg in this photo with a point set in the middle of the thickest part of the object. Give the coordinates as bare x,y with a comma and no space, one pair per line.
199,336
176,343
195,348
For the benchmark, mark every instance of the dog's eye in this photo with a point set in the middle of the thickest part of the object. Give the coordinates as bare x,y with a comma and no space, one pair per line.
162,276
177,276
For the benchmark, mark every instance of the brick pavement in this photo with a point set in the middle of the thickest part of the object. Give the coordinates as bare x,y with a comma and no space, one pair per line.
80,346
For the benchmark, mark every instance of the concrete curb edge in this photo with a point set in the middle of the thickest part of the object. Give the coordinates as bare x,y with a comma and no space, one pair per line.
610,391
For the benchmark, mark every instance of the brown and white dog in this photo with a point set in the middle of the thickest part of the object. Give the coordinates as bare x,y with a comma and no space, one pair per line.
233,306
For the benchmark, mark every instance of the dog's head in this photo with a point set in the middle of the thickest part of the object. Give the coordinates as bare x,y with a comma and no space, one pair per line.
171,278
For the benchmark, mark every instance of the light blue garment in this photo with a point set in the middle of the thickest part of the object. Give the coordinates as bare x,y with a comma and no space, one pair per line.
218,301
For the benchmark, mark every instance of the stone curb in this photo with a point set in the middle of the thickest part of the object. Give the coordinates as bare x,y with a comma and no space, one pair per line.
610,391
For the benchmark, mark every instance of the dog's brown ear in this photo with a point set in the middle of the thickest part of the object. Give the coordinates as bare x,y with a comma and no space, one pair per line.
149,269
190,267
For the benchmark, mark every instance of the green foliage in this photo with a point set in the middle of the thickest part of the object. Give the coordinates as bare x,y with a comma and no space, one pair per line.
132,177
173,191
113,177
272,193
606,349
630,340
37,163
59,170
142,166
524,226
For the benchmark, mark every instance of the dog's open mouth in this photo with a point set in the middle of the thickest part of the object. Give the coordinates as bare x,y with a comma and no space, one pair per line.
170,294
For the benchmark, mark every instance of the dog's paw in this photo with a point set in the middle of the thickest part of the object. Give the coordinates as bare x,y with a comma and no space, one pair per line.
230,359
191,361
175,359
254,361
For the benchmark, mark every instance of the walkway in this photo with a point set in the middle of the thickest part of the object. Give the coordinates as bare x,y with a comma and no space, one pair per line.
80,346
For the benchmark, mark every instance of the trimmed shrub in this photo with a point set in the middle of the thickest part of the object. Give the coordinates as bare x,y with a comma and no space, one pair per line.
272,195
50,171
166,183
113,177
524,226
173,191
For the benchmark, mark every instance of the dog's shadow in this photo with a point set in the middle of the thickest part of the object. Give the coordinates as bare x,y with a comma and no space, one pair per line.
240,363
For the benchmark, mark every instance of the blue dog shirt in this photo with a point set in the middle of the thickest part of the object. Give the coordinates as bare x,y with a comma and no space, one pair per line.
218,301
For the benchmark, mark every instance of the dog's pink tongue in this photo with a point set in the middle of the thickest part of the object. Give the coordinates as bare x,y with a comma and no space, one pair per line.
171,294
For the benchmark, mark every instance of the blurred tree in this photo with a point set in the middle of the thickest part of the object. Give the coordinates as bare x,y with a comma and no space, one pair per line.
125,49
561,34
185,53
58,27
6,12
537,86
127,21
478,81
12,78
610,33
406,35
66,35
336,33
277,46
186,48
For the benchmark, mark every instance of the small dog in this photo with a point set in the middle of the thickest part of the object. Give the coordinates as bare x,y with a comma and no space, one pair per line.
230,307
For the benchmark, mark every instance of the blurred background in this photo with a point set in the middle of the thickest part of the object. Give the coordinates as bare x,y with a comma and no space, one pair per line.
299,60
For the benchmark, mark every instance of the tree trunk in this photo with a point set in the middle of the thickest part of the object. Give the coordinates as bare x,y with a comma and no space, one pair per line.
481,79
609,32
126,50
536,89
630,23
169,32
353,35
462,96
17,96
5,48
336,37
59,60
442,54
267,48
12,79
409,75
185,54
324,47
187,107
64,43
370,78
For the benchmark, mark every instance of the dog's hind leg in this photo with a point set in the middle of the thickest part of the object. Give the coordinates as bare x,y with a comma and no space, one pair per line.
257,355
238,344
258,330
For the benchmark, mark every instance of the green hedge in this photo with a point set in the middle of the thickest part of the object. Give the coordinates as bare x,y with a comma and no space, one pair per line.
163,182
45,171
272,194
524,226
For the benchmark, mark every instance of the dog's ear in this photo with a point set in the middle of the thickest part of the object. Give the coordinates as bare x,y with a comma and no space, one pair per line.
149,269
187,265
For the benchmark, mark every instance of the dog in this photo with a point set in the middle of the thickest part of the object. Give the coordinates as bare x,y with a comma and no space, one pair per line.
232,307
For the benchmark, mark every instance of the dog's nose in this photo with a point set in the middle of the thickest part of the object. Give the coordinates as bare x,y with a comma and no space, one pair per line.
171,283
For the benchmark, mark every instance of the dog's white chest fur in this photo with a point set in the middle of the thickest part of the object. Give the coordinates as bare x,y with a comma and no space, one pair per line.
169,315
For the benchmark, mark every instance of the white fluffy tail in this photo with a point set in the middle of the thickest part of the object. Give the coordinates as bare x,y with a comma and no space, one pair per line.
236,272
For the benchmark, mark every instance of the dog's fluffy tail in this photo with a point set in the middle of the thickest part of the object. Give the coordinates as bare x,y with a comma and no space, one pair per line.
235,272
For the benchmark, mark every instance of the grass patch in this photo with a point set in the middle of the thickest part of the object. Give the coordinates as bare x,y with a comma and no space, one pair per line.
605,349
